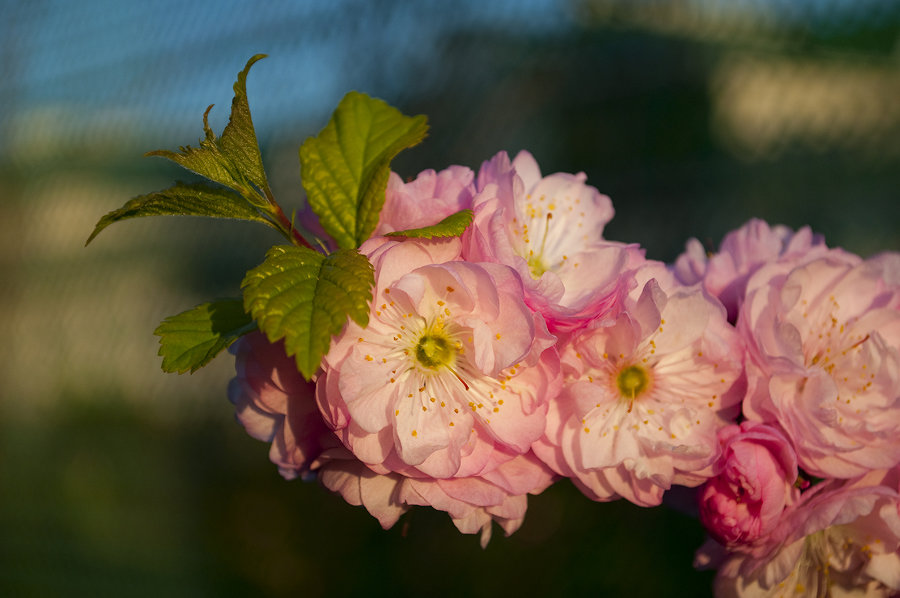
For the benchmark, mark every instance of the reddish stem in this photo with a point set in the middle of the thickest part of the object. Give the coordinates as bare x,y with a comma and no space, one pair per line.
289,226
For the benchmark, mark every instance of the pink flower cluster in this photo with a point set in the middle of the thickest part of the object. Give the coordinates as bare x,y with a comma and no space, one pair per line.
804,501
531,349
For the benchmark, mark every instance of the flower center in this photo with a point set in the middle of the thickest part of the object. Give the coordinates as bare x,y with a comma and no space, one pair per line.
632,381
435,350
536,265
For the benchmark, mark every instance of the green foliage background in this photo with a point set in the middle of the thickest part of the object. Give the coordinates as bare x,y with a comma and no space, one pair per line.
117,479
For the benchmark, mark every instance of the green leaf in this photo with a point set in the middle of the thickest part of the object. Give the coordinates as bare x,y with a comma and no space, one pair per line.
190,340
195,199
451,226
305,297
238,140
234,160
345,168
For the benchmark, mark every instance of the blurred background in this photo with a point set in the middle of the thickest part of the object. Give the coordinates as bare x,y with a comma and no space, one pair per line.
117,479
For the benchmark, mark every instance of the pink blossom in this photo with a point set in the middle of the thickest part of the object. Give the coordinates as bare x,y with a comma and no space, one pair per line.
841,539
823,361
427,200
550,230
443,392
754,484
446,388
645,396
742,252
275,404
450,348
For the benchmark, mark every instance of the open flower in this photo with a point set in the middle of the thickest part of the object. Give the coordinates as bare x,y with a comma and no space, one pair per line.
550,230
644,397
451,363
824,359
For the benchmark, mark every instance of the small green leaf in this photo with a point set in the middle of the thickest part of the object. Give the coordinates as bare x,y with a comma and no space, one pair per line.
451,226
345,168
305,298
183,199
190,340
238,140
234,160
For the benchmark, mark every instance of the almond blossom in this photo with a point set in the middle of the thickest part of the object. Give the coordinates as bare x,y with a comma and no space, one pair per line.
824,359
550,230
451,362
645,396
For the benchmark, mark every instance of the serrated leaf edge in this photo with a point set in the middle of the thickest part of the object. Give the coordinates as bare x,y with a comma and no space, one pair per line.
208,356
308,366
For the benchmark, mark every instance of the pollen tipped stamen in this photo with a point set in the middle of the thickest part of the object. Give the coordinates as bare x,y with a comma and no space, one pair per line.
458,377
536,262
546,233
858,343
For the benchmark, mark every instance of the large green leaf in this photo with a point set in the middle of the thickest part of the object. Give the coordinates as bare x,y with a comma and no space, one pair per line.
345,168
451,226
189,340
305,298
195,199
233,160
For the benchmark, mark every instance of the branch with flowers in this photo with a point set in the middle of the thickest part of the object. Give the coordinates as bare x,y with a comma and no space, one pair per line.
463,340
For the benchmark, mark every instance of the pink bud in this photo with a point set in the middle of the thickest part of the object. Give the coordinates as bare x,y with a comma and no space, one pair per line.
757,470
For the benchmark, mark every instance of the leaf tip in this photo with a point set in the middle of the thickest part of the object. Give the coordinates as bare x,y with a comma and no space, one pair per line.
303,367
101,224
240,84
254,59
